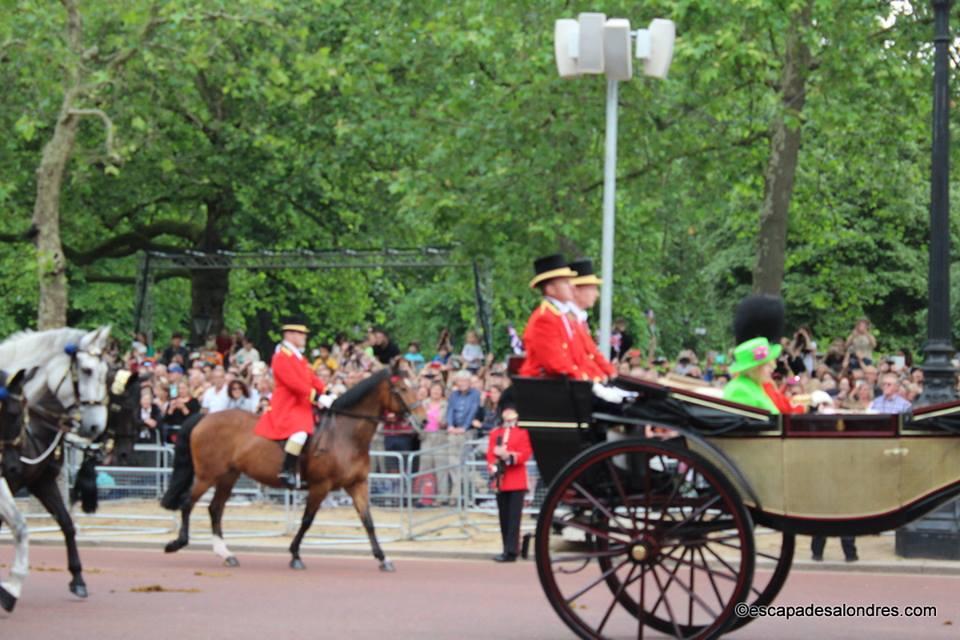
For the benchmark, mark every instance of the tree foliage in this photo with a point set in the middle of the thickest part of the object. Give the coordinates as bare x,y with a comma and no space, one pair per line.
265,125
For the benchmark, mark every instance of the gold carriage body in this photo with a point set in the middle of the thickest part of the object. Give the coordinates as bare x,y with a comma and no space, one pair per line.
839,474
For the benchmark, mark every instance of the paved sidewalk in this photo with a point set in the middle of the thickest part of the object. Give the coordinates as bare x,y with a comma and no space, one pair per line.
337,531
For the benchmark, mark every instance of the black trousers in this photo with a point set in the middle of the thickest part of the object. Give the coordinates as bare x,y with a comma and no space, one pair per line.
510,507
847,542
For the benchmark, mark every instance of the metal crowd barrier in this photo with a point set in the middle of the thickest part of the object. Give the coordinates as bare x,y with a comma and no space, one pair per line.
434,494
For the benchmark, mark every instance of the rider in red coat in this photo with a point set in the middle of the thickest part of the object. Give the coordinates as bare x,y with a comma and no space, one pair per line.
290,415
508,451
552,344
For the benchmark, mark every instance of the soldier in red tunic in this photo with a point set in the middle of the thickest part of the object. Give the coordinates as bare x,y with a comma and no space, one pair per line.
550,339
507,453
290,415
585,293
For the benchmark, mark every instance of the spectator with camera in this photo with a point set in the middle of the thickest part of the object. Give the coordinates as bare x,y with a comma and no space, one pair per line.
507,453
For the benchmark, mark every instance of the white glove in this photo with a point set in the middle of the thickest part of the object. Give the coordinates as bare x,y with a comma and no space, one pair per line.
613,395
326,400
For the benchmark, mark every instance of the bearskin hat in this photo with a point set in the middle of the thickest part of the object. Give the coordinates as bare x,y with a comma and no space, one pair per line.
759,316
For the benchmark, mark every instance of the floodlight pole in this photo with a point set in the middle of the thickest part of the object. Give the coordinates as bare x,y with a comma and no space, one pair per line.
609,202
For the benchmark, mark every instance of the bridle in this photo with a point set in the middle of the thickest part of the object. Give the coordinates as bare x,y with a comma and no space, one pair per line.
406,409
73,410
20,417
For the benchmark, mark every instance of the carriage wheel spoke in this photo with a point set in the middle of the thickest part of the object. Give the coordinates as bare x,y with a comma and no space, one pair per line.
590,555
699,600
706,540
732,577
616,599
768,556
673,620
603,576
699,510
722,561
713,583
618,484
672,575
588,529
599,506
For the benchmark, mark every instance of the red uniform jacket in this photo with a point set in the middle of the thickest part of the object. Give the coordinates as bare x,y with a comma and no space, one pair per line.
552,345
781,401
597,366
517,442
291,406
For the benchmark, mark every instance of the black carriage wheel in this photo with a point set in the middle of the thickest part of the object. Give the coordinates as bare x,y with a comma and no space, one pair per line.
765,595
653,515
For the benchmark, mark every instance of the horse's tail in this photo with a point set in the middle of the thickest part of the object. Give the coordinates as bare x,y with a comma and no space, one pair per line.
181,480
85,485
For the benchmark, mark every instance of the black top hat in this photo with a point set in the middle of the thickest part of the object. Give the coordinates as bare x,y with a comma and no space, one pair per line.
295,323
550,267
759,316
585,272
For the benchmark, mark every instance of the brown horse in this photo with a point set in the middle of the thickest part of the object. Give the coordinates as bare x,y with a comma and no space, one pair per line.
222,445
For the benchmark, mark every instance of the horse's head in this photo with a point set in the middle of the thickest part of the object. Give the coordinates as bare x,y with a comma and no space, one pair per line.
402,394
81,386
11,405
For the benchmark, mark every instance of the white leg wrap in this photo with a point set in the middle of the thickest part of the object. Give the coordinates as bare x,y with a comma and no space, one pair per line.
295,443
18,527
220,547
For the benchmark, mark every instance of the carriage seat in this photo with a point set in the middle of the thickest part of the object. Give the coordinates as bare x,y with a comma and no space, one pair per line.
552,401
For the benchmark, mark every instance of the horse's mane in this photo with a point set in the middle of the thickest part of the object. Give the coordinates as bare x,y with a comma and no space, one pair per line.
27,349
357,392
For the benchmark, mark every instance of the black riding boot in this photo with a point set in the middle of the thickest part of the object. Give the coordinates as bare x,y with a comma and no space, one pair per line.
288,475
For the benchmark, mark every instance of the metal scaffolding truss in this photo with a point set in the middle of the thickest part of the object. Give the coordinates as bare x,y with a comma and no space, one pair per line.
426,257
154,263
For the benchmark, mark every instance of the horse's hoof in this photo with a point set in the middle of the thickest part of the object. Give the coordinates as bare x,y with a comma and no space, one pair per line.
297,564
79,590
231,561
7,601
173,546
387,566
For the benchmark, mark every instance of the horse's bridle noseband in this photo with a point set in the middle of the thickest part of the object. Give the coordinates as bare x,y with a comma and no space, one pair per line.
78,403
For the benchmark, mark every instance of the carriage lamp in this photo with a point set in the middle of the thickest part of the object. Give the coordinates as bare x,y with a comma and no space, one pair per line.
593,45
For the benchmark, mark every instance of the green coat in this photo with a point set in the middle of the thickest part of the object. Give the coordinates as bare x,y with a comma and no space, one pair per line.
745,391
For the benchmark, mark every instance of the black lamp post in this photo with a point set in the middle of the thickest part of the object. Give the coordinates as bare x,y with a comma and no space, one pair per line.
937,535
939,378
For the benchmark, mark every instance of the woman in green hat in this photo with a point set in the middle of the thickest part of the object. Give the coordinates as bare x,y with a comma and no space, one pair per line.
752,367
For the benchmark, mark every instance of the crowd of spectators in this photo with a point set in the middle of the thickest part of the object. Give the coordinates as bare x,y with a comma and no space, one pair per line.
849,372
461,389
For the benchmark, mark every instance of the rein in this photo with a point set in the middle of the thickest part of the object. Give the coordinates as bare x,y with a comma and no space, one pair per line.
406,411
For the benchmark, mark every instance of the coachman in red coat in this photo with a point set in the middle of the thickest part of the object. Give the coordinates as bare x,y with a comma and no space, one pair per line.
295,388
585,293
552,344
507,453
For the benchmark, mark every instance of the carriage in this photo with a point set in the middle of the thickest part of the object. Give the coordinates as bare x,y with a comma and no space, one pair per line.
657,514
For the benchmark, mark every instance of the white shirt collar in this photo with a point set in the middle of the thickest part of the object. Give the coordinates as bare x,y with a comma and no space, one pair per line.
295,350
562,307
577,311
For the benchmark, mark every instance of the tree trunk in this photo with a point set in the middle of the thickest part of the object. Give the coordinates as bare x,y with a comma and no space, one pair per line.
782,163
209,287
51,264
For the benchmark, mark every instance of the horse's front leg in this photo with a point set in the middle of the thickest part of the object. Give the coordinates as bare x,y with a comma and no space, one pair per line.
49,496
10,589
314,499
360,494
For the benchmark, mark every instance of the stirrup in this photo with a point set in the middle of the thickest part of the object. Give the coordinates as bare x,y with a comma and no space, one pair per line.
288,480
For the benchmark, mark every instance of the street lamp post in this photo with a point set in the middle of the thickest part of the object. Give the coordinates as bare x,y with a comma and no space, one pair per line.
939,378
937,535
594,45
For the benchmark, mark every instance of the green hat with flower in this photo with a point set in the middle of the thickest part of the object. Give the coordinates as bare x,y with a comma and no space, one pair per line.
754,353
